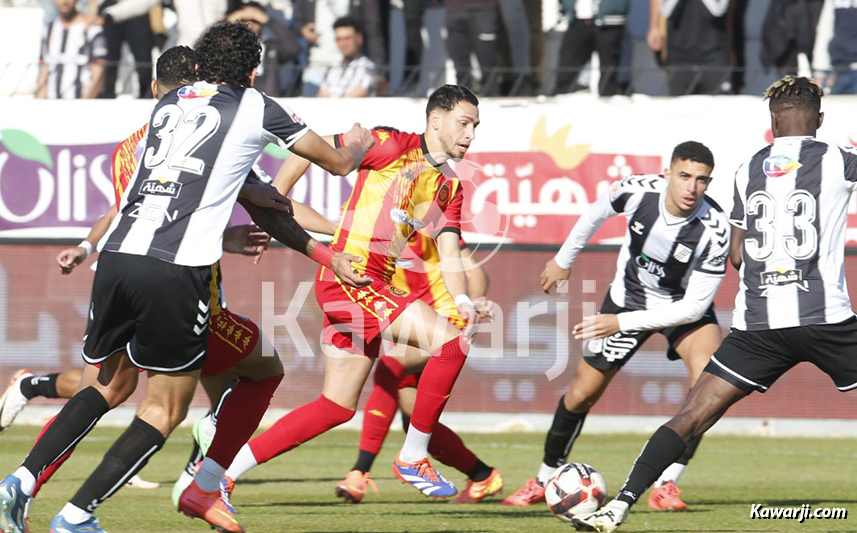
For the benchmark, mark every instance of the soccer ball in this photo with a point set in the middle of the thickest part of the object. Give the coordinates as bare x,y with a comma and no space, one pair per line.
573,489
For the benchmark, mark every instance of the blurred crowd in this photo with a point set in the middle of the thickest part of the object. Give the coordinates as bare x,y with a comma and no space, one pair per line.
343,48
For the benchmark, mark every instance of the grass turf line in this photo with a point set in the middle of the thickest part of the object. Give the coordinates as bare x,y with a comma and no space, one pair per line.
295,492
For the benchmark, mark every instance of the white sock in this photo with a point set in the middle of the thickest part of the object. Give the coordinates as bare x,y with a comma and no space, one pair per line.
74,514
415,447
544,474
672,473
244,461
208,477
28,481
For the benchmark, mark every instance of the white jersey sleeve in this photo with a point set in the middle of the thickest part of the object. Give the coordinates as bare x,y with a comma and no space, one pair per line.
281,125
701,288
586,226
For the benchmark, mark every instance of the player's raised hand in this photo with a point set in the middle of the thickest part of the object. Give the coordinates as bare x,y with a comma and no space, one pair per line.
553,274
70,258
245,240
360,136
596,327
340,263
267,197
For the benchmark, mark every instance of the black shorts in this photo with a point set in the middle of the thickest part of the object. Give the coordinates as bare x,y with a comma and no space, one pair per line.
157,311
754,360
614,352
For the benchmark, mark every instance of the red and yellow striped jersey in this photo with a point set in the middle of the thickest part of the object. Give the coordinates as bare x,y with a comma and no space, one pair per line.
400,189
418,272
125,162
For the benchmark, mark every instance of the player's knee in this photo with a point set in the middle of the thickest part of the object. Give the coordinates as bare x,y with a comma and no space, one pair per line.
116,392
579,401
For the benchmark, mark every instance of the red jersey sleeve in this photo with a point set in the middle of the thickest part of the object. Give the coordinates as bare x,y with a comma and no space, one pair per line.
389,146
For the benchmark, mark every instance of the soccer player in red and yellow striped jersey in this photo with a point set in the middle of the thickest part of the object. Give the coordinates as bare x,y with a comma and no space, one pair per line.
403,185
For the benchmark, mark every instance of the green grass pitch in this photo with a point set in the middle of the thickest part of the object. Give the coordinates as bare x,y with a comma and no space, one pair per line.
295,492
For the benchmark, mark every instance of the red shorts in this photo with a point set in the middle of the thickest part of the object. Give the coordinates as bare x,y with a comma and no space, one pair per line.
411,380
231,338
364,313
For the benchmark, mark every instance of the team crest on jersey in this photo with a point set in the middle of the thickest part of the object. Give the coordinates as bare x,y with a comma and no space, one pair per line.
782,277
395,291
682,253
778,166
161,187
189,92
443,195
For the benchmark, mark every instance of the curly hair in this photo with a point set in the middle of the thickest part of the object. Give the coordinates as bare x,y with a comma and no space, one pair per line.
176,66
789,91
227,53
693,151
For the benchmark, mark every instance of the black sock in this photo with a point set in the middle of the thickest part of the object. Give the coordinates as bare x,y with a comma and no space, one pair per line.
77,417
44,386
480,472
689,451
128,455
564,430
364,461
662,450
226,392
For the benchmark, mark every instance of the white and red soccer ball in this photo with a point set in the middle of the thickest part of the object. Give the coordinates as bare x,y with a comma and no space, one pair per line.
575,489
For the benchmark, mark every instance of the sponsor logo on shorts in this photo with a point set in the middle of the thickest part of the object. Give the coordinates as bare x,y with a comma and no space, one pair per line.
161,187
613,348
781,278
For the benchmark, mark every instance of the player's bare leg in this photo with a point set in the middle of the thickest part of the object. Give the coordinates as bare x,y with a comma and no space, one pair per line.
707,402
25,386
420,326
586,389
695,349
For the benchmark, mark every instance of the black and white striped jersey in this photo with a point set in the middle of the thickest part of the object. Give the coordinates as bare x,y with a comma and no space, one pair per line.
660,250
67,52
201,143
792,198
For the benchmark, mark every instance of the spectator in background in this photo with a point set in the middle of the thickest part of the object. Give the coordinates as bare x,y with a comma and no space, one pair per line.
373,16
73,56
789,30
193,16
122,25
413,12
315,19
471,26
355,76
694,35
280,45
593,25
518,52
835,52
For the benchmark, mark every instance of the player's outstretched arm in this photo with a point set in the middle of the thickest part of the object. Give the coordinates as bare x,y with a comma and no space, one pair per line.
558,268
71,257
701,289
338,161
283,227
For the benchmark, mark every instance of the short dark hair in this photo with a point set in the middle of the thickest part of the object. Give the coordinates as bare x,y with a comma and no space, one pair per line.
227,53
790,91
448,96
176,66
391,129
347,22
693,151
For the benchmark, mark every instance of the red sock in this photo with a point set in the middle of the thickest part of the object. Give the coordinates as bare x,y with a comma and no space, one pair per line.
436,383
50,470
448,448
240,416
382,404
302,424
